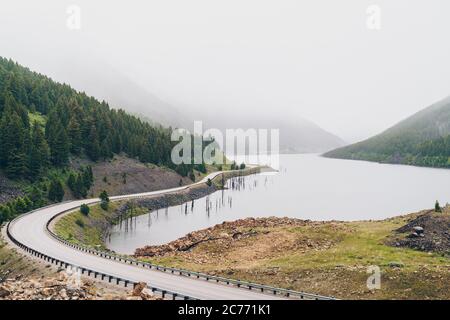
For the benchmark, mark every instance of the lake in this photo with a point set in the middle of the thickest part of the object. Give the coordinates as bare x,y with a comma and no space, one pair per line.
306,187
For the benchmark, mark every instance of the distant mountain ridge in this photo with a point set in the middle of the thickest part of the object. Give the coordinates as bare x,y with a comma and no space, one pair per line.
297,135
98,78
422,139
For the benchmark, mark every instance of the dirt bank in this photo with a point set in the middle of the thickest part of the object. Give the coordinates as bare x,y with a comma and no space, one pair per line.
228,234
123,175
8,189
329,258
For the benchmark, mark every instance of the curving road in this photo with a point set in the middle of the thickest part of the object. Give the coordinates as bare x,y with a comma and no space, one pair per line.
30,230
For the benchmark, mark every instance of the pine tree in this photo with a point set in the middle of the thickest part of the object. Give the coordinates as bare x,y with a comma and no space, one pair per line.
74,134
80,188
57,140
39,155
21,205
60,148
104,200
104,196
17,165
36,197
71,181
93,149
5,213
56,191
12,136
437,207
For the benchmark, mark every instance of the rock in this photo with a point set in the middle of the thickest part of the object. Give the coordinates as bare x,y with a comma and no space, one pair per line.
418,230
48,291
395,264
138,288
4,293
146,294
63,293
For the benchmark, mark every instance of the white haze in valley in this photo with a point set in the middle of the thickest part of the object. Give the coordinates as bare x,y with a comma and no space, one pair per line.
273,63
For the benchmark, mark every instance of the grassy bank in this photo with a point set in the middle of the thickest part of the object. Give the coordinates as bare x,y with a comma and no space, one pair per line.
89,230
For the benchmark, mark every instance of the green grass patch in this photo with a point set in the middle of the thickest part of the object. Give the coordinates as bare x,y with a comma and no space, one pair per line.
87,230
363,246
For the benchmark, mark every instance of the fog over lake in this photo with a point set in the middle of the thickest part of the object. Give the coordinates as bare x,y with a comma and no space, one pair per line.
306,187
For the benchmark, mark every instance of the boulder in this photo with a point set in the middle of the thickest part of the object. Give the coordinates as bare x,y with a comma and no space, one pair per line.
395,264
146,294
4,293
138,288
418,229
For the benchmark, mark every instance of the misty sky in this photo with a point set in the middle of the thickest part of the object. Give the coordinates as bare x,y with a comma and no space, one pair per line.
314,59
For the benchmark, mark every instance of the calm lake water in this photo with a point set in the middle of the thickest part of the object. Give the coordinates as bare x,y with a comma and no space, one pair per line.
306,187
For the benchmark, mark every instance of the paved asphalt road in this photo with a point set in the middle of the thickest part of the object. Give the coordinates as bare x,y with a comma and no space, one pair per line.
30,230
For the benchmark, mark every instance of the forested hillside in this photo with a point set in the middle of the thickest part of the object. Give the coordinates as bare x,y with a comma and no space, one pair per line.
43,124
422,139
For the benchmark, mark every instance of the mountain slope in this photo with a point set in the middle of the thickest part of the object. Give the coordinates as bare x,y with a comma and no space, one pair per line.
44,125
422,139
297,135
98,78
105,82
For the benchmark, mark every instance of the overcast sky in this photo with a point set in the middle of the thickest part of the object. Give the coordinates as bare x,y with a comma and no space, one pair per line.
315,59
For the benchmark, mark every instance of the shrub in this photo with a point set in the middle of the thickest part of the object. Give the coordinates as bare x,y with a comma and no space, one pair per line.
209,182
242,166
79,223
104,205
437,207
105,200
84,209
104,196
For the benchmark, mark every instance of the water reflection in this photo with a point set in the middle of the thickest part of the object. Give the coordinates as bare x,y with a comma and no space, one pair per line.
212,207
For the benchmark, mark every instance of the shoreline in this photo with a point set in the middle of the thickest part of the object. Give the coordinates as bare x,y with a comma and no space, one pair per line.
330,258
120,210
